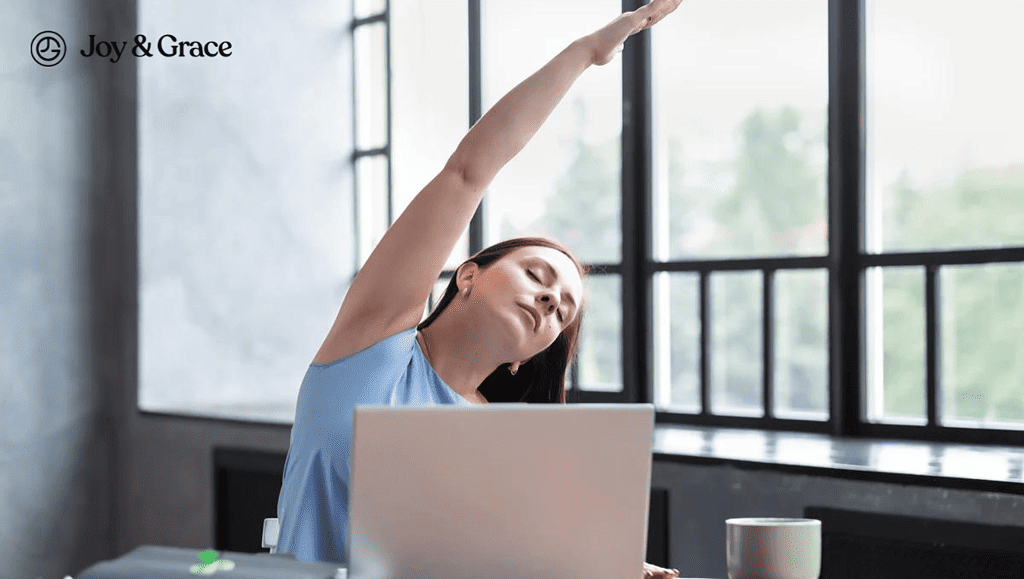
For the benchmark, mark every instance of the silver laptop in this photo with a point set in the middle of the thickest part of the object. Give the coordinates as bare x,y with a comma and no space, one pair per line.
511,491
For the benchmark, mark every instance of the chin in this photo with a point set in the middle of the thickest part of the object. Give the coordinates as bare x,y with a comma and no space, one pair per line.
518,316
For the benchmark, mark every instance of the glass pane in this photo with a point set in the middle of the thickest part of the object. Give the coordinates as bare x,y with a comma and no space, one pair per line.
430,97
566,182
246,239
740,149
364,8
895,345
371,86
600,343
372,193
736,347
944,153
982,356
800,380
677,341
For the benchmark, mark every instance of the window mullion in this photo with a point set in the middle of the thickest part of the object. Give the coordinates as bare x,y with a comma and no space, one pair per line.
767,340
387,118
476,224
705,340
845,214
932,349
637,173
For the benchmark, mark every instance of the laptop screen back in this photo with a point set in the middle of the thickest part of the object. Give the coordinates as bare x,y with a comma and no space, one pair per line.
501,490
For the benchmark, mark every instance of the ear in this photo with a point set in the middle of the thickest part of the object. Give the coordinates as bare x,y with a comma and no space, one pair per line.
466,274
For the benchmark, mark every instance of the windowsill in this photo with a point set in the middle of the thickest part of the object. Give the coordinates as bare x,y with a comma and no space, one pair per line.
935,464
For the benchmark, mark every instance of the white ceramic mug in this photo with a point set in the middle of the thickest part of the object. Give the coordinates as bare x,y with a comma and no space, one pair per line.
767,548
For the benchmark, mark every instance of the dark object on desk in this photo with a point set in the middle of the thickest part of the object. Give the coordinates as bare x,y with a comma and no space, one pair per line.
152,562
657,529
246,486
882,546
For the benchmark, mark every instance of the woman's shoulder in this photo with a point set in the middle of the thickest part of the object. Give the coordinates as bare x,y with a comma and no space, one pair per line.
390,341
330,390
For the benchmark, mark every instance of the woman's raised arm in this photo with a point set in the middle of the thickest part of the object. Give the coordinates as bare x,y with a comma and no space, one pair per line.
389,292
513,120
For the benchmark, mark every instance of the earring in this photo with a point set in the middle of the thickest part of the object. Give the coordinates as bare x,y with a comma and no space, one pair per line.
512,370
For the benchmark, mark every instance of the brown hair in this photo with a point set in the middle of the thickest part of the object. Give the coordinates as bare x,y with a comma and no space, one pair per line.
542,377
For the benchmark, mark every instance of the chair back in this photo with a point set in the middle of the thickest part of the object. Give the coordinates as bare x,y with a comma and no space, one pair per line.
271,527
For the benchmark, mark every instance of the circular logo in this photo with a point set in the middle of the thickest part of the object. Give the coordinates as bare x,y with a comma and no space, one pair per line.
48,48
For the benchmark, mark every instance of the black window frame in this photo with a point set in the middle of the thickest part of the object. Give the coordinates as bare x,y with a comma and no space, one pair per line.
383,17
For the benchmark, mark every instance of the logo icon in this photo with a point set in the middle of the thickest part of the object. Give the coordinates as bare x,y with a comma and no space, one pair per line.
48,48
210,564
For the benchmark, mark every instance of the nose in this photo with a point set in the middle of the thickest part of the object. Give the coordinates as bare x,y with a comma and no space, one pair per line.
549,301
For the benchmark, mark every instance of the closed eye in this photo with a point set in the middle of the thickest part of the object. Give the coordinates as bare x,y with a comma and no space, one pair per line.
560,318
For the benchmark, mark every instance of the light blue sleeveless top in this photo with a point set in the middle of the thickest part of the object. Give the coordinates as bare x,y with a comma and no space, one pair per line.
312,509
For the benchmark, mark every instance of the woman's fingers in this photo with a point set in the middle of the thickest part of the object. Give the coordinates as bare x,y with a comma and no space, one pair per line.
655,572
652,13
607,41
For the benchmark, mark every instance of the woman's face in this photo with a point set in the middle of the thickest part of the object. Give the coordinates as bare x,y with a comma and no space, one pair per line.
535,292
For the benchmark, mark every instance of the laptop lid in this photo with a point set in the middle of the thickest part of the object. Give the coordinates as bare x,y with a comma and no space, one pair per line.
514,491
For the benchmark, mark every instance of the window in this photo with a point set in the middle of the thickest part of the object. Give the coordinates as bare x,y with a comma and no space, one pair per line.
371,107
822,236
944,196
245,237
739,214
770,275
430,95
566,182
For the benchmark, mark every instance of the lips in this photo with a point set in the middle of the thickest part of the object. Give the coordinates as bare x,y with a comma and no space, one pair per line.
534,314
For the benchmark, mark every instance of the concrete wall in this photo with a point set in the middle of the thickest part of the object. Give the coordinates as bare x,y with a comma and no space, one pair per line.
67,150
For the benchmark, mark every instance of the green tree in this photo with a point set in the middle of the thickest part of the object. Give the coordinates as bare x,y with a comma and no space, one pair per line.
982,306
586,214
776,205
777,191
777,198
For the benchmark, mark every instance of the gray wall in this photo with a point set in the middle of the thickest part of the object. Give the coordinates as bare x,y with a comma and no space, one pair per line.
66,184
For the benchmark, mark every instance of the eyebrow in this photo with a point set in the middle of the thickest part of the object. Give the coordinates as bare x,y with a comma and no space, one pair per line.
551,270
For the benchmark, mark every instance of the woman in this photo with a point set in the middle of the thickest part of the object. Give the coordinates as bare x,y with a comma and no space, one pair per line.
505,329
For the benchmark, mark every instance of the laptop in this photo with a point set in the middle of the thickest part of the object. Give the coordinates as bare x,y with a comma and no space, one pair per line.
159,562
511,491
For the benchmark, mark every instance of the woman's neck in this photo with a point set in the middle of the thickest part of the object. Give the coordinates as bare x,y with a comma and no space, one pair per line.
461,352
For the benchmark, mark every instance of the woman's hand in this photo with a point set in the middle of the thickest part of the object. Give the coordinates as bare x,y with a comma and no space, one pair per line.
606,42
653,572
